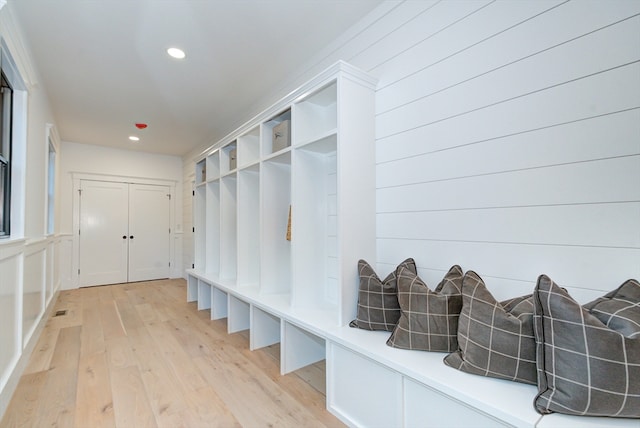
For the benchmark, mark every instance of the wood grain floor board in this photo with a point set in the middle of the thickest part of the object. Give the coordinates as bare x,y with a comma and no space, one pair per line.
139,355
94,386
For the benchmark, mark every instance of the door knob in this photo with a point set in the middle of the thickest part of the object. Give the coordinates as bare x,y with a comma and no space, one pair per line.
131,237
124,237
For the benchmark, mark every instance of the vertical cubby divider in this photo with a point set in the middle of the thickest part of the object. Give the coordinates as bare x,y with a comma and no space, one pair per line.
219,304
249,226
265,329
204,295
212,242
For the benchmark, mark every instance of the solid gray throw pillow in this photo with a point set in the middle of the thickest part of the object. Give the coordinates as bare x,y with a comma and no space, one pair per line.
588,356
428,319
378,307
495,339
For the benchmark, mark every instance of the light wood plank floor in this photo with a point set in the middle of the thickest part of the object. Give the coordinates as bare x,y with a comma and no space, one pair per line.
138,355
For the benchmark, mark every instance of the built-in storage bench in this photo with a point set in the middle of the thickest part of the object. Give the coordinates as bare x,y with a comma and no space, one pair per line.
371,384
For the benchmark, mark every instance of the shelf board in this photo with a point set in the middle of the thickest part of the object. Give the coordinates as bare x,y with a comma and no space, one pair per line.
325,143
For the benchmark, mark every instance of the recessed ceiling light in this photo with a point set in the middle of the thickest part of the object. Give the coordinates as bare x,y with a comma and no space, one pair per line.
176,53
134,138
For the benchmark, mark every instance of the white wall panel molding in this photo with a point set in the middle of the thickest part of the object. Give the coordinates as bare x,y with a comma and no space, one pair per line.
10,316
33,292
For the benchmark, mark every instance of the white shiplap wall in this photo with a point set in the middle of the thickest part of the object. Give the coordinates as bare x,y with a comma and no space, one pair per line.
508,141
507,138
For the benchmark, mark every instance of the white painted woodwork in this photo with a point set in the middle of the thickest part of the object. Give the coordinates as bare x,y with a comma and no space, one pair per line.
238,315
299,348
362,392
228,227
418,399
275,250
265,329
199,221
211,225
34,289
204,295
10,313
219,304
248,224
150,227
192,289
104,232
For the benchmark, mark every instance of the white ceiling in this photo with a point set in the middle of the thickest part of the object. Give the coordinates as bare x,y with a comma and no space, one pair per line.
104,63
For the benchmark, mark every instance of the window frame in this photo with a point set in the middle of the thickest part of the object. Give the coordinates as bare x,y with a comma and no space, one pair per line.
6,151
19,79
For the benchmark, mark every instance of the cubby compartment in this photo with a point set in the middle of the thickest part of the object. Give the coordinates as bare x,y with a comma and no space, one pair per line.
228,227
238,315
201,171
299,348
270,146
265,329
213,166
219,304
212,242
249,226
229,158
316,115
275,266
249,147
192,288
315,247
199,226
204,295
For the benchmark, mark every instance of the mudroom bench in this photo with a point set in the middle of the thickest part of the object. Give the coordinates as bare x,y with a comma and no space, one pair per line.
368,383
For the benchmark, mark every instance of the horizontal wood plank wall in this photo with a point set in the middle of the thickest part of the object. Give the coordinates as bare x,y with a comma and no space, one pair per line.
508,138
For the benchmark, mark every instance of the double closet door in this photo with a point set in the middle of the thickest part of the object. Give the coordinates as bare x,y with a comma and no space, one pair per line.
124,232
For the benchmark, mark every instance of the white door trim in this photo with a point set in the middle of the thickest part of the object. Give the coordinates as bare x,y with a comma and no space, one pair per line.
76,177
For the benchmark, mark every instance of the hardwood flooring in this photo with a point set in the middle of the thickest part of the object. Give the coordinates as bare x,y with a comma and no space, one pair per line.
138,355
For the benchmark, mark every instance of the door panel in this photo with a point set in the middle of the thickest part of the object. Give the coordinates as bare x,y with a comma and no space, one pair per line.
103,223
149,224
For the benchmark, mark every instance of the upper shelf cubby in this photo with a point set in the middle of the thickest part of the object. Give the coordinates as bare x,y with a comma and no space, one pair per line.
249,147
213,166
201,172
316,115
276,133
229,157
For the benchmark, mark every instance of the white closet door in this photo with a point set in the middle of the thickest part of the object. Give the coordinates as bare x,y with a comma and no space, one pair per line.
149,222
103,237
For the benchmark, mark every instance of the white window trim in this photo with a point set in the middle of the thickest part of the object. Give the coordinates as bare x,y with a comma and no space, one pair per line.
51,137
19,143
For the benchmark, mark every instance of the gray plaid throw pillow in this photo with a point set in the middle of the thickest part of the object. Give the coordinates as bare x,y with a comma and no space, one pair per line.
428,319
588,357
495,339
378,307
